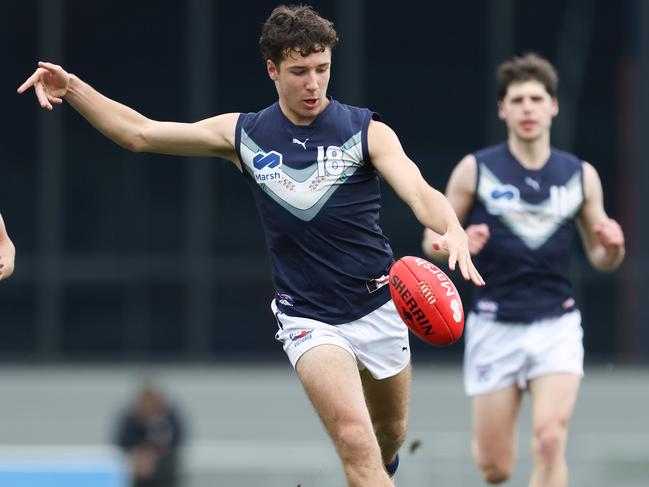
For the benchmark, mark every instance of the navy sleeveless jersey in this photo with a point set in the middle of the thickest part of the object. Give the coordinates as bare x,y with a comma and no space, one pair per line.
530,215
318,197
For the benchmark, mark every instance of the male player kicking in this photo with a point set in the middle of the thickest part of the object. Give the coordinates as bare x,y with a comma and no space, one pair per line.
313,166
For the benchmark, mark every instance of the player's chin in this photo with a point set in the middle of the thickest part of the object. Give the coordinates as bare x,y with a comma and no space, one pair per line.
529,136
312,112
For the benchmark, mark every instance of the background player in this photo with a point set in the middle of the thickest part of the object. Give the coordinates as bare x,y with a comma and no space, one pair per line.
313,166
520,201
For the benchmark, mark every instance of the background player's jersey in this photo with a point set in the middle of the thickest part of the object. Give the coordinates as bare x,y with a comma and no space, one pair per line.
318,198
530,215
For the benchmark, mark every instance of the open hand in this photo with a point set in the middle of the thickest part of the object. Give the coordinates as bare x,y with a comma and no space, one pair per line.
456,243
50,83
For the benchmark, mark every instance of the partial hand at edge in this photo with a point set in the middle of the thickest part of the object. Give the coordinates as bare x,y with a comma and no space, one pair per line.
6,267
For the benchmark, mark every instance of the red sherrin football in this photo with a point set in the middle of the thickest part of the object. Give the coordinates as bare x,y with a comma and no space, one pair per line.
426,300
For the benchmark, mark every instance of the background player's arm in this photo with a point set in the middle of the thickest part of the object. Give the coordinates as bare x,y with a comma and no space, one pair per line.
127,127
429,205
602,236
7,252
460,192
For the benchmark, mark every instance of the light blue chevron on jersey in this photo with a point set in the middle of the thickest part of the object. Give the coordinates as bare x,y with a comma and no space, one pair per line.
302,192
534,224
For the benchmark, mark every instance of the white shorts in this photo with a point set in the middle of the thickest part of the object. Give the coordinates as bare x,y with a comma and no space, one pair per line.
377,341
497,355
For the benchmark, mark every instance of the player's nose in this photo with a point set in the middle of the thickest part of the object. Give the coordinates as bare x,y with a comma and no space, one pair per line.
312,82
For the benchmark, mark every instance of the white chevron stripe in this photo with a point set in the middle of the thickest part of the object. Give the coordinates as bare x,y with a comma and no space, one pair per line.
534,224
304,192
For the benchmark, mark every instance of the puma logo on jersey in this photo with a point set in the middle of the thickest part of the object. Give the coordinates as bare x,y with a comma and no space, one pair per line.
533,183
299,142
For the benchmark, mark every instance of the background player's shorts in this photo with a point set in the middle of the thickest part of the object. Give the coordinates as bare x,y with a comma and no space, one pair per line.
378,341
497,355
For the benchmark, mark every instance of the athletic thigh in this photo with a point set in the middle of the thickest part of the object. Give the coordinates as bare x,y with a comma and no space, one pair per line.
387,399
553,399
330,377
494,423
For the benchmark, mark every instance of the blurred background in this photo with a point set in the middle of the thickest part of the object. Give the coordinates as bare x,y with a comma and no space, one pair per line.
133,266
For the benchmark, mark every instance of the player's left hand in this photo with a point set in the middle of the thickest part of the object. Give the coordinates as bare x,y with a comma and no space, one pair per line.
610,235
456,243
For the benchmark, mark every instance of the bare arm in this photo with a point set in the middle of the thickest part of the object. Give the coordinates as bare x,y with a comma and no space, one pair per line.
7,252
602,236
429,205
460,192
128,128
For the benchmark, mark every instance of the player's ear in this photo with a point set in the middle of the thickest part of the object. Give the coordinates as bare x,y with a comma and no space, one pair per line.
272,69
501,110
555,106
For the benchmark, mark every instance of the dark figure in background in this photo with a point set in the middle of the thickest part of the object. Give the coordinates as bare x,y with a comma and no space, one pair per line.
150,432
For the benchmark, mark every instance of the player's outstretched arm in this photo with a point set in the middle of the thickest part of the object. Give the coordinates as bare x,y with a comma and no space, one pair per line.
125,126
7,252
602,236
460,193
430,206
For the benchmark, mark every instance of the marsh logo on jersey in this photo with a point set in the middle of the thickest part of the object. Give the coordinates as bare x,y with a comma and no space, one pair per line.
502,199
267,166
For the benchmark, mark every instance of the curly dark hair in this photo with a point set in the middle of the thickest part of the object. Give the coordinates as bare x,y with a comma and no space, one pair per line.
295,28
530,66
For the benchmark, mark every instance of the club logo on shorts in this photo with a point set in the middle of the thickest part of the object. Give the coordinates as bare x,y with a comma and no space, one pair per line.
484,373
298,337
